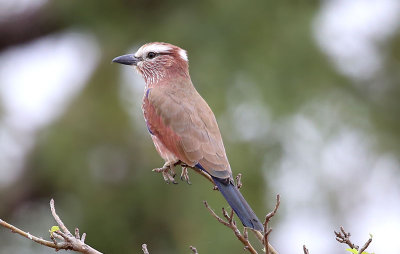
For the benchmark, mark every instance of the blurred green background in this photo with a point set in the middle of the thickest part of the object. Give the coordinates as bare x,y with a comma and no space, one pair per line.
306,94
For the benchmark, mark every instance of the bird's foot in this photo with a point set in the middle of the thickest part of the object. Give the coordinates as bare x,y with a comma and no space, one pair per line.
167,172
185,174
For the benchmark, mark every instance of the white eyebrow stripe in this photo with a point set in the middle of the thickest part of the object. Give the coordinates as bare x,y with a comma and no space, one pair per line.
157,48
183,55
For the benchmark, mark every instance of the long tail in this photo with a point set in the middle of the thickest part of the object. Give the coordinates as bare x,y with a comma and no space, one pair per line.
236,200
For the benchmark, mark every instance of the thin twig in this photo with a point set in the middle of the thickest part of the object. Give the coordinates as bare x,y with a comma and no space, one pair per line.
344,237
83,238
144,249
305,250
68,241
365,245
193,249
75,243
230,223
77,236
260,237
239,181
36,239
268,230
57,218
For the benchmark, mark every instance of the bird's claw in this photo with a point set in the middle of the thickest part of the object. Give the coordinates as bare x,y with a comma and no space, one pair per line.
167,172
185,175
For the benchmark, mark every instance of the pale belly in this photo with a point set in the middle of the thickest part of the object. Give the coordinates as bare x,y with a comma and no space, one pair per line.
163,151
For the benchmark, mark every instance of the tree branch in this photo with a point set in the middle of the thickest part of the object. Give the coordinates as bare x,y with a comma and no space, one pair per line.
68,241
305,250
144,249
365,245
344,237
268,230
230,223
239,181
29,236
259,235
193,249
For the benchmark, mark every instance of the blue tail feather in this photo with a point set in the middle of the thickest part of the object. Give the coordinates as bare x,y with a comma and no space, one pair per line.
236,200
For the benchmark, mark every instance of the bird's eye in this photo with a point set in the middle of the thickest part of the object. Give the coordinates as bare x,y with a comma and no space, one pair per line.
151,55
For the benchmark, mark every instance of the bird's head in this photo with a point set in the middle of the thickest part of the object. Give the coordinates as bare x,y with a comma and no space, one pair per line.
156,61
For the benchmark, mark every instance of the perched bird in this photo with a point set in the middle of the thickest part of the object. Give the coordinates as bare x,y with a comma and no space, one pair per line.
181,123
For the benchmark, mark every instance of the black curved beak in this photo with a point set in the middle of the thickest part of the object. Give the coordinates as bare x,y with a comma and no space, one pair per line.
129,59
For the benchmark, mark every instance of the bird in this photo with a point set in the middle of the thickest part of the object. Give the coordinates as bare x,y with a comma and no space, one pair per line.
181,124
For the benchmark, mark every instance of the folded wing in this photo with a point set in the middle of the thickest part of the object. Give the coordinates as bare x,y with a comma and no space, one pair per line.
185,124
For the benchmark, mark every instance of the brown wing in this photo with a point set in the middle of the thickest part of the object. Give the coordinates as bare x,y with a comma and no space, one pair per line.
187,126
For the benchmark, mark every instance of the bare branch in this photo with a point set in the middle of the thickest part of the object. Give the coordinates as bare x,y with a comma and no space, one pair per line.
193,249
239,181
57,218
245,233
365,245
68,241
230,223
201,172
144,249
76,244
77,236
83,237
268,230
41,241
260,237
344,237
215,215
305,250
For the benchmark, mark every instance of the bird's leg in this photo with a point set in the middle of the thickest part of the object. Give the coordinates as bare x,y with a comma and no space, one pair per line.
167,171
185,174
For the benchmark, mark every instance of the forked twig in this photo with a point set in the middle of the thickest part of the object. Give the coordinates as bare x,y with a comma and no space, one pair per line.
144,249
344,237
230,223
268,230
305,250
68,241
239,181
365,245
74,242
193,249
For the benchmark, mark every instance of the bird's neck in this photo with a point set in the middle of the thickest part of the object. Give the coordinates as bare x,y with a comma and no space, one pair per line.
166,78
